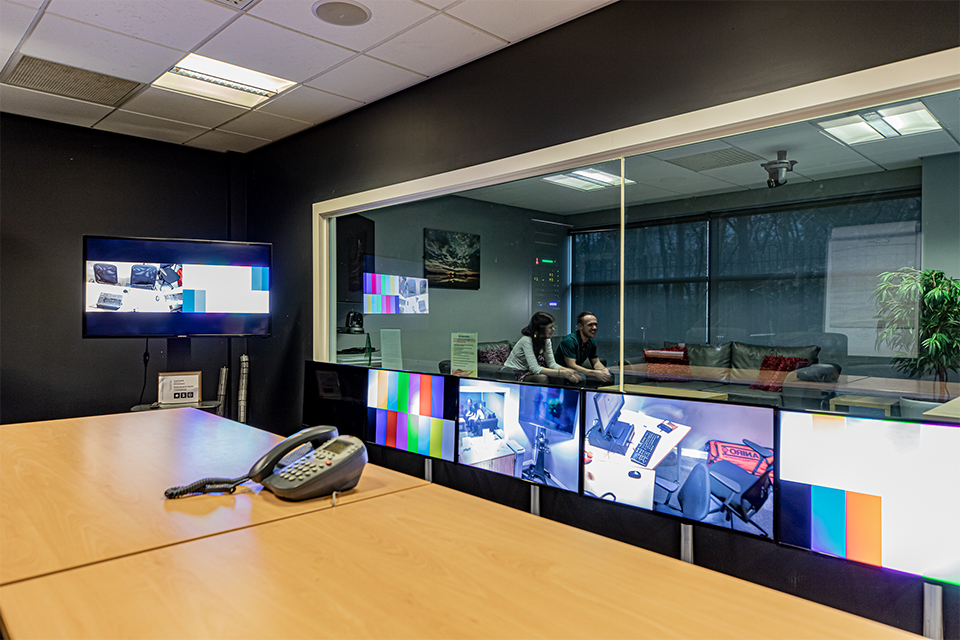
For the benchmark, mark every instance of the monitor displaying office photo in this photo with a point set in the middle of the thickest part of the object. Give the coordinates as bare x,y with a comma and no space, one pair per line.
520,430
881,492
701,461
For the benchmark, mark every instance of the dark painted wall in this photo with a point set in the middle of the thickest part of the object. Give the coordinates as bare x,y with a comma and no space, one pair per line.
626,64
59,183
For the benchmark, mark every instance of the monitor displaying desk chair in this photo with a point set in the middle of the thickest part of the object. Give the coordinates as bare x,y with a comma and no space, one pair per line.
741,492
694,500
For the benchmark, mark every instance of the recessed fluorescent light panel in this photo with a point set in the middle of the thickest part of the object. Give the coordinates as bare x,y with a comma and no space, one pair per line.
903,120
587,179
208,78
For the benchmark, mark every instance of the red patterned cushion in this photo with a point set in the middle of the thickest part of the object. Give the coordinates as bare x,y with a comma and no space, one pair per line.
497,355
666,361
774,369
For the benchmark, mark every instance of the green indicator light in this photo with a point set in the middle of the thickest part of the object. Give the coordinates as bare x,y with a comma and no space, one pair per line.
548,261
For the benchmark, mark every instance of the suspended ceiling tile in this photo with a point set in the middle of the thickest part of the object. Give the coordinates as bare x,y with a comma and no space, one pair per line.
171,105
388,17
180,24
50,107
261,46
264,125
437,45
15,19
945,107
690,150
904,151
365,79
515,20
439,4
843,170
664,175
79,45
309,105
135,124
749,175
226,141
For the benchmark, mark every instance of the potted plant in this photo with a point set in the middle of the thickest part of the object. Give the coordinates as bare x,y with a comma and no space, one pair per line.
919,318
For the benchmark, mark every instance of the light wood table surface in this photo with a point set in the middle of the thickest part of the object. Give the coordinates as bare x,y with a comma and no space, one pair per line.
653,390
947,412
426,563
84,490
870,402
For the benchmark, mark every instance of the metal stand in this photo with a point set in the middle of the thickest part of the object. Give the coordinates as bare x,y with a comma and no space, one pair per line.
222,391
535,500
932,611
242,391
686,543
428,470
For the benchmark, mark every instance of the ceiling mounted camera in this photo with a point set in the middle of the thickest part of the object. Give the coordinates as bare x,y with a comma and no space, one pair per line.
777,169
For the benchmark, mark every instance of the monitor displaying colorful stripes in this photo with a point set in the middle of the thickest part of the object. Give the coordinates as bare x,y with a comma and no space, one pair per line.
881,492
412,412
384,294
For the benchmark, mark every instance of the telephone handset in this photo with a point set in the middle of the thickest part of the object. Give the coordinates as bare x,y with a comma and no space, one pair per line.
334,463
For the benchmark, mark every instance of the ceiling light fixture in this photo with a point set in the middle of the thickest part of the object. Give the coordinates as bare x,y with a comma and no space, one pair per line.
221,81
903,120
587,179
341,14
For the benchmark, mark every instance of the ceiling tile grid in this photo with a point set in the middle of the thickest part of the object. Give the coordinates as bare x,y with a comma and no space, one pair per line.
336,68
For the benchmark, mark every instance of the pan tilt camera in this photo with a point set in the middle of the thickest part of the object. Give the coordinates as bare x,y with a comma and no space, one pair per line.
777,169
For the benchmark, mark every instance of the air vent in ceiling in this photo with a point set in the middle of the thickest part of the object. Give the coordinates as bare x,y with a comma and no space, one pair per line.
715,159
61,80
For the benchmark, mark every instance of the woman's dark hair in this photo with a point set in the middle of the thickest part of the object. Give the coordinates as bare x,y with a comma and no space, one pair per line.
535,330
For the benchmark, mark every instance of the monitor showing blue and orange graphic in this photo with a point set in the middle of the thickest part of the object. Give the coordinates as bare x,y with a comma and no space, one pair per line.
413,412
881,492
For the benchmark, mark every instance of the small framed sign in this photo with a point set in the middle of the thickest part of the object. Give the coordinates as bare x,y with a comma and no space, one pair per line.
179,388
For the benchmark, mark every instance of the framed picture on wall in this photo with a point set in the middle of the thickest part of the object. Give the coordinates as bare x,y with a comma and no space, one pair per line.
451,259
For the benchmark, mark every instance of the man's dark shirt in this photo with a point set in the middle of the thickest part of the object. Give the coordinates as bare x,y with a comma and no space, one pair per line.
581,353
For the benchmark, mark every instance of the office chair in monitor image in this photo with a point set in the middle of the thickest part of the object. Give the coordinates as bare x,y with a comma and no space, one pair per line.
743,493
694,500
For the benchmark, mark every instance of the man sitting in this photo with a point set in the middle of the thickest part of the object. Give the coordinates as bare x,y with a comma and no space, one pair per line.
578,350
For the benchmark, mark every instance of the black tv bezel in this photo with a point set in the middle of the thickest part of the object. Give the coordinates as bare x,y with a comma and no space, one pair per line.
171,334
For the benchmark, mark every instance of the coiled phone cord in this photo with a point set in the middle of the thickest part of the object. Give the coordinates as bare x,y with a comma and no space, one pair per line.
206,485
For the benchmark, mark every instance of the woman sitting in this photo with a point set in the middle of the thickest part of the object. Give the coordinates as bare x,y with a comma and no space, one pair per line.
533,354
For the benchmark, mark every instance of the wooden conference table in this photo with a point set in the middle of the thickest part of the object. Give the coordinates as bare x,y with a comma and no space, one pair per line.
92,550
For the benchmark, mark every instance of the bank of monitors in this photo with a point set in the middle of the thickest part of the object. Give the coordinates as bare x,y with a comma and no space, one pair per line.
335,395
415,412
882,492
385,294
701,461
521,430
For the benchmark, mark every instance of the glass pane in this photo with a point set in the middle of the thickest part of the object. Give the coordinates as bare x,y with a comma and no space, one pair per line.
761,257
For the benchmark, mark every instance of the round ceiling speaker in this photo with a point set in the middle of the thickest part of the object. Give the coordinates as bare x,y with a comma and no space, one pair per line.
341,14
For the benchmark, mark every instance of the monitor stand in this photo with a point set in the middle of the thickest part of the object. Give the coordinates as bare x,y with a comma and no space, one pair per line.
616,438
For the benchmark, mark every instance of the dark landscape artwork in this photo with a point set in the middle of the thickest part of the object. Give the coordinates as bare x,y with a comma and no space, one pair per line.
451,260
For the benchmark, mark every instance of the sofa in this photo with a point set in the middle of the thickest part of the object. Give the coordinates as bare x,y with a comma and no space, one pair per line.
744,371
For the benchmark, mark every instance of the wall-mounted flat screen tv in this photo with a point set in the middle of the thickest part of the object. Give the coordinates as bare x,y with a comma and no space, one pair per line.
881,492
384,294
415,412
147,287
521,430
705,462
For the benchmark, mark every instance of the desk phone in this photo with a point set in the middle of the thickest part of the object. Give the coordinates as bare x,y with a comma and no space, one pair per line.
312,462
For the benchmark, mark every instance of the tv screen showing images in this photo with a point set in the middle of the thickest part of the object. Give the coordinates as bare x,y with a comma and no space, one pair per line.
700,461
412,412
881,492
165,287
520,430
395,294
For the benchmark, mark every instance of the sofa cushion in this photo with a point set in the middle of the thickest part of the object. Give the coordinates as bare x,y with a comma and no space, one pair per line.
746,359
666,361
705,355
494,355
774,369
